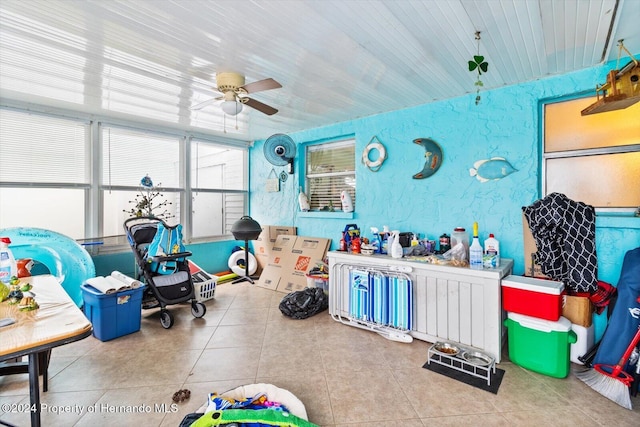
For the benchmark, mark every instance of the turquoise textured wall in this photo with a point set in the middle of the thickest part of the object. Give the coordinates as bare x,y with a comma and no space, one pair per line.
506,124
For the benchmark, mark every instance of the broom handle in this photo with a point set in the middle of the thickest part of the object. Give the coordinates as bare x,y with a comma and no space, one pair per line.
623,360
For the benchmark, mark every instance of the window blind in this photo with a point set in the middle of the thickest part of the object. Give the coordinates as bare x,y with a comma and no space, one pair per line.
129,155
330,170
43,149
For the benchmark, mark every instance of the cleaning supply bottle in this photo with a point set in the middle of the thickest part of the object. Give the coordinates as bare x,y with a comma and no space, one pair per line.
396,247
303,201
8,266
475,250
414,240
491,252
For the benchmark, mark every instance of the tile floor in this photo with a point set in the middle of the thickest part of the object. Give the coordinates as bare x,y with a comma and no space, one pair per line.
344,376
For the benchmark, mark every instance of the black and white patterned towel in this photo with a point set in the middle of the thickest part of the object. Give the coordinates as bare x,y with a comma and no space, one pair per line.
564,232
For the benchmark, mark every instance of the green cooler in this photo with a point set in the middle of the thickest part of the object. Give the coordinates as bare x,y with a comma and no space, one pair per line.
540,345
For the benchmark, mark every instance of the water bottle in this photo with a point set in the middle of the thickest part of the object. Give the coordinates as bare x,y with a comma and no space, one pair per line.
8,266
475,250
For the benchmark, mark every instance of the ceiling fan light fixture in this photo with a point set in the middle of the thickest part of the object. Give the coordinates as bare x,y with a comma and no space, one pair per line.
231,108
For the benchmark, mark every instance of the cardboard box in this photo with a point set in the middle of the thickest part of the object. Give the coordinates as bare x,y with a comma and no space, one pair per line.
279,260
291,258
305,253
531,269
533,297
579,310
262,246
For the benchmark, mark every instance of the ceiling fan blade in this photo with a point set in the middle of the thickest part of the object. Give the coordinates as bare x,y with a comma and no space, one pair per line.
201,105
260,85
263,108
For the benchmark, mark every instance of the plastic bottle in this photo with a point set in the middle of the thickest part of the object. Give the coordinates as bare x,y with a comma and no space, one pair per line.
491,252
8,266
475,250
396,247
347,203
460,235
414,240
303,201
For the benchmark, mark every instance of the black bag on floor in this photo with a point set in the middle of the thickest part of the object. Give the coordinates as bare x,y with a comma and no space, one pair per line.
304,303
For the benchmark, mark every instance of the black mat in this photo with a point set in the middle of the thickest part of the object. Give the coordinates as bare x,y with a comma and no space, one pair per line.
481,383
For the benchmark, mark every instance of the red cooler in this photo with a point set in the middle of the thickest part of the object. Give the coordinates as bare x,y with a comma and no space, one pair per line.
533,297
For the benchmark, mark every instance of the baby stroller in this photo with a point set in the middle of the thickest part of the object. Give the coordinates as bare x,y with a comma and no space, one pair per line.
163,266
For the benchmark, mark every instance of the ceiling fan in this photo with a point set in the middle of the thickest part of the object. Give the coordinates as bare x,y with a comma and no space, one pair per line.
234,91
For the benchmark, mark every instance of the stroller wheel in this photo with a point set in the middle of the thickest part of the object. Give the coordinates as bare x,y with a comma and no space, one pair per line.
166,319
198,309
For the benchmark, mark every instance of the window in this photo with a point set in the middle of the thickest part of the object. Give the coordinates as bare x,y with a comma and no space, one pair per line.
219,187
594,159
82,178
45,172
330,169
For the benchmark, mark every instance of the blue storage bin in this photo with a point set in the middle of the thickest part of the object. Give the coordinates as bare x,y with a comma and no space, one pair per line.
112,315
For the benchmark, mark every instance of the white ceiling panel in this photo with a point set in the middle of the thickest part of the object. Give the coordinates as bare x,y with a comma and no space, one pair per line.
152,60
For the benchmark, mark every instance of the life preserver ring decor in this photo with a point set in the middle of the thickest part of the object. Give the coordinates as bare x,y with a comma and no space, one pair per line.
374,165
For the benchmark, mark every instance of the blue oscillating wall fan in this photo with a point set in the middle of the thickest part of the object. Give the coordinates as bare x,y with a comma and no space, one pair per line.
280,150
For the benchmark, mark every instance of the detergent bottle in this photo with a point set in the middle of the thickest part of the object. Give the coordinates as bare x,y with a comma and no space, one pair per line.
491,257
8,266
347,203
396,247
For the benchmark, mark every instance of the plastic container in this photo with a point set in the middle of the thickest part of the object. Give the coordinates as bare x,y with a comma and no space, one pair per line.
532,297
396,247
347,203
540,345
585,339
8,266
318,281
475,250
112,315
491,257
460,235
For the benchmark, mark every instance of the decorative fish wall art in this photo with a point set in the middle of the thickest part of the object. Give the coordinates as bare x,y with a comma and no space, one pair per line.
432,157
491,169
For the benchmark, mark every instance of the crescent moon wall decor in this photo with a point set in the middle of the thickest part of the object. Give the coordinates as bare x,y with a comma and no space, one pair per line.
432,157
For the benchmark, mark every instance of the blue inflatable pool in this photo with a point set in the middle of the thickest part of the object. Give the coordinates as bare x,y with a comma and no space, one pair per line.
63,256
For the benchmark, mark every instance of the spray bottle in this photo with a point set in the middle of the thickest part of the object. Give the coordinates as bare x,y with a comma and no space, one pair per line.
396,247
8,266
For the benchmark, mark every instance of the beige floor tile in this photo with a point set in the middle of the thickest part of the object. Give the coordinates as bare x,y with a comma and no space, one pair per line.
217,364
244,316
360,396
250,335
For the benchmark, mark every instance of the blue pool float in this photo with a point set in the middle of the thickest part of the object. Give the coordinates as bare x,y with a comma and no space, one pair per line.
69,262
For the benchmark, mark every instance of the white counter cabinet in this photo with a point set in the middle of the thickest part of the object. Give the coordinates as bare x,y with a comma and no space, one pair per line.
448,303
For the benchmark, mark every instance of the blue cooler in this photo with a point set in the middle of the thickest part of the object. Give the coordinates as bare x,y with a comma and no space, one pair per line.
112,315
